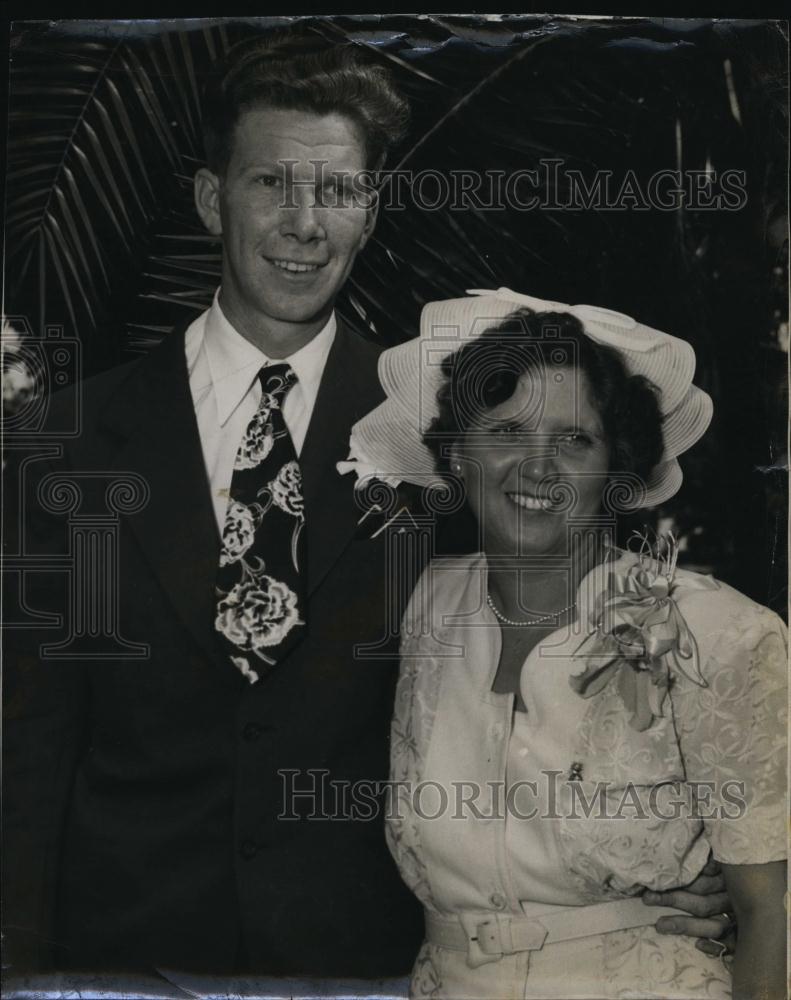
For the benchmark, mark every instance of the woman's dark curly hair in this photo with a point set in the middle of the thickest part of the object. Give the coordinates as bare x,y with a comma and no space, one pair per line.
484,373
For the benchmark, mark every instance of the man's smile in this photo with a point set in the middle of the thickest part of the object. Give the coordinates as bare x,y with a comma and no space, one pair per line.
293,266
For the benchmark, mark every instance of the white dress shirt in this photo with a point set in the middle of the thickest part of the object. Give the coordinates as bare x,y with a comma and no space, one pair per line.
223,368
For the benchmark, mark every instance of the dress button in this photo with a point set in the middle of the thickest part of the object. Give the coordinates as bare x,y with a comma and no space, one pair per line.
498,901
252,731
248,849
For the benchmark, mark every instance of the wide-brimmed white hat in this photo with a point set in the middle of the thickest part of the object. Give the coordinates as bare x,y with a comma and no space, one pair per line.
388,443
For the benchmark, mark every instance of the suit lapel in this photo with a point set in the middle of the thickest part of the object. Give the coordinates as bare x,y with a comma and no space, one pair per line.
177,530
349,389
154,414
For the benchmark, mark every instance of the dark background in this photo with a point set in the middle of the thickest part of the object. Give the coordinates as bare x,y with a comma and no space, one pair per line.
102,237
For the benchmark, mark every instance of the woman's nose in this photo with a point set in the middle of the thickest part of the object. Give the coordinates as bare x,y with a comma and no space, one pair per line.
538,465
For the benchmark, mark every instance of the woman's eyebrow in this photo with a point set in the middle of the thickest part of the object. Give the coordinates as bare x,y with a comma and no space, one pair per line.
505,422
517,422
574,429
590,430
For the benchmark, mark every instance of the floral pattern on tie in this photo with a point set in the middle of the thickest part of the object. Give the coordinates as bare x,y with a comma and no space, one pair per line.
286,490
238,533
257,613
258,580
259,438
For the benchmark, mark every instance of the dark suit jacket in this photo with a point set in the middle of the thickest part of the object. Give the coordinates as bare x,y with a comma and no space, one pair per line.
142,796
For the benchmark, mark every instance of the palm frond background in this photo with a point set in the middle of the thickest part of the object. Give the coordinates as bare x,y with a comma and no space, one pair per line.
102,236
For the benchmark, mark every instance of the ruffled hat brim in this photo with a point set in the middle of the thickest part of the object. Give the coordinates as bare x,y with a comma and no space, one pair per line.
391,435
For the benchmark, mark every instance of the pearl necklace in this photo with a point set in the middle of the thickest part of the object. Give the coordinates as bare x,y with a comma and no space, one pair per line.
534,621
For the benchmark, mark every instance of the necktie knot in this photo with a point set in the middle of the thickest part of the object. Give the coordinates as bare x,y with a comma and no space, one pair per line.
276,380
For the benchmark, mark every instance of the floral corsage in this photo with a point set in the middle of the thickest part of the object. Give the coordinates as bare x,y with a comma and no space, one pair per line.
637,635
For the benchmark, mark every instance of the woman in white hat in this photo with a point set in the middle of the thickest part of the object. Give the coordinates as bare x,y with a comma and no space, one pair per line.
576,725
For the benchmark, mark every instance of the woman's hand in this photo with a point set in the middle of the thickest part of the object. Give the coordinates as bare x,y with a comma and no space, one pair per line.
707,901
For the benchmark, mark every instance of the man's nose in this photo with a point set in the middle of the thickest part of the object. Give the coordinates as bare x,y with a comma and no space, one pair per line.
301,218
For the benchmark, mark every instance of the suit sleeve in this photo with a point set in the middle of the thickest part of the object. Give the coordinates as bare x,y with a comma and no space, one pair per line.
45,712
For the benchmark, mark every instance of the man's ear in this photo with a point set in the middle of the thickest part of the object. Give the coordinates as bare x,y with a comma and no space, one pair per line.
371,215
207,200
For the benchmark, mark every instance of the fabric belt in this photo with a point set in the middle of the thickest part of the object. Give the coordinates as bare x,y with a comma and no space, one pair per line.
487,936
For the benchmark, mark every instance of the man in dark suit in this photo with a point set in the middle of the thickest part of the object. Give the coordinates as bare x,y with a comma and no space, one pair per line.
149,814
143,796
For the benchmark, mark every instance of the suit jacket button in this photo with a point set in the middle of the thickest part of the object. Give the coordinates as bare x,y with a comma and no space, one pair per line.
248,849
252,731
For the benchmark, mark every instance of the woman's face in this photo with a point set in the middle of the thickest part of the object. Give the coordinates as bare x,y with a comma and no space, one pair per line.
534,461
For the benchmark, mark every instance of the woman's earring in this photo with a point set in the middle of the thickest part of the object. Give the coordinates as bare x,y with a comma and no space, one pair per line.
456,467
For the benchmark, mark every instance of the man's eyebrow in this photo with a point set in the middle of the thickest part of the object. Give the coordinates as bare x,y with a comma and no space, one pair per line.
262,164
287,166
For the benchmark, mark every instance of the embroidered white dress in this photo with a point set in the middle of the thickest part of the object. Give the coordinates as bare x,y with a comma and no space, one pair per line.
486,819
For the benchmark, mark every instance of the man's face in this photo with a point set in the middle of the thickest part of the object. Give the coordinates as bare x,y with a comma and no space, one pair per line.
290,225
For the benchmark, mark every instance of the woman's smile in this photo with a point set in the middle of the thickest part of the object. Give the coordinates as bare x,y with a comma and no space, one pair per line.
529,501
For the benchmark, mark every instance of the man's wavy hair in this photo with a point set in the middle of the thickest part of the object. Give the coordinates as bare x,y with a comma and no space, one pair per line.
300,72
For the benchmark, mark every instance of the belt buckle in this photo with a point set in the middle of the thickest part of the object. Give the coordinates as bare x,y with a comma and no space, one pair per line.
484,938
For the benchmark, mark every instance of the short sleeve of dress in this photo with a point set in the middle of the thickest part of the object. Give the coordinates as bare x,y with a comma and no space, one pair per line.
733,736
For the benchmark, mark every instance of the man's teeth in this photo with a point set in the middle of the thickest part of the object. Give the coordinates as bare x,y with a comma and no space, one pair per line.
290,265
528,502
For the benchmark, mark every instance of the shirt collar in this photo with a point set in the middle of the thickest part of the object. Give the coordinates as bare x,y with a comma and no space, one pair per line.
234,362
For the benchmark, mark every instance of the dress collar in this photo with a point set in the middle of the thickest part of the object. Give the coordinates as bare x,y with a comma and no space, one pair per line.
477,613
591,585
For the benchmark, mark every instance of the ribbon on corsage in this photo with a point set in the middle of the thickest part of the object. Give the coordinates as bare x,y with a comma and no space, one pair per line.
638,637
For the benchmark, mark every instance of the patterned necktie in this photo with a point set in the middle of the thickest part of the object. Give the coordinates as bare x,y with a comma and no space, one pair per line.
261,601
